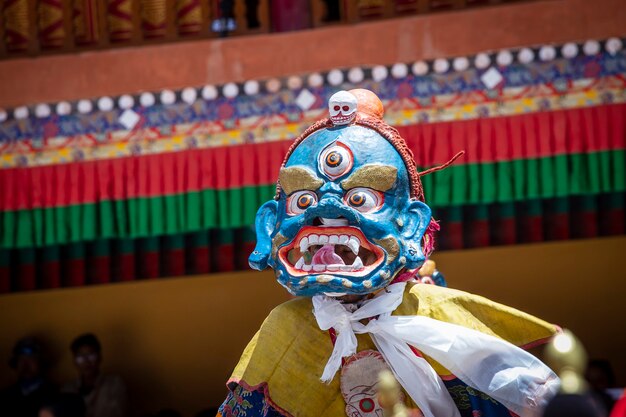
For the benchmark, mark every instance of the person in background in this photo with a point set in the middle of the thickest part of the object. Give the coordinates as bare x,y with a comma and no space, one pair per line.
226,18
601,379
104,395
26,396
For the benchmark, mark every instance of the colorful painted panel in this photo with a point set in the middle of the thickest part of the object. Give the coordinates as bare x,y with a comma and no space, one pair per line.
88,185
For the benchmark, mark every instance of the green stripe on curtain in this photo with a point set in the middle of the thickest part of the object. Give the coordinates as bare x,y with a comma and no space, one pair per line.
519,180
218,250
133,218
470,184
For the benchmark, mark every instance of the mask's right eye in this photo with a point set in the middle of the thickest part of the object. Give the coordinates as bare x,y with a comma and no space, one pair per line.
300,201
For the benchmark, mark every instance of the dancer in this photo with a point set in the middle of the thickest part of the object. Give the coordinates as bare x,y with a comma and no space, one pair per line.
347,231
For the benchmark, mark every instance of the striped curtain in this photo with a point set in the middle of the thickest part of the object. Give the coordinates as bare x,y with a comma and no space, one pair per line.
525,178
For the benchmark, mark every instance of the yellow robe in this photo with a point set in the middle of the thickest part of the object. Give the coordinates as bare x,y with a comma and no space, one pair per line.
287,355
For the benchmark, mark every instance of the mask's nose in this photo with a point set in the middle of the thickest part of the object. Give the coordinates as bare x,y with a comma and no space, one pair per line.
331,206
331,189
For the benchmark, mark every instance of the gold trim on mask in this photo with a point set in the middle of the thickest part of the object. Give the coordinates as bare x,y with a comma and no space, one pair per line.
390,245
297,178
377,177
278,240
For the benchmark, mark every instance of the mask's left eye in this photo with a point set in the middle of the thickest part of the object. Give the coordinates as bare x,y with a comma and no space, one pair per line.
364,200
300,201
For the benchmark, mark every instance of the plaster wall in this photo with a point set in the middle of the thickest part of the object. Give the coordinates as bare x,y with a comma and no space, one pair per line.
179,65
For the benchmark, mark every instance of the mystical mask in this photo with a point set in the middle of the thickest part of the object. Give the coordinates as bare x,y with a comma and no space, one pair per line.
344,220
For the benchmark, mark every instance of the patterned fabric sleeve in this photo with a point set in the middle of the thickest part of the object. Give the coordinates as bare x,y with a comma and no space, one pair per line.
473,403
241,402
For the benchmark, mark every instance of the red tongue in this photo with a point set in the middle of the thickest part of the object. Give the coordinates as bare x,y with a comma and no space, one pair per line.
326,256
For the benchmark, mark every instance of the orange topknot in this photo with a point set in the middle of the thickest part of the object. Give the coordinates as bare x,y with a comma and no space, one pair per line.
368,103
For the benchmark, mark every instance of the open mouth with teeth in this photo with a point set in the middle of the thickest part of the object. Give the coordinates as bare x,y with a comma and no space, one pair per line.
330,250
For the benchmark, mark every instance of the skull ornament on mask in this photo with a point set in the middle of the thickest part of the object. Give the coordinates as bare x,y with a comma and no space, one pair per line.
342,108
346,218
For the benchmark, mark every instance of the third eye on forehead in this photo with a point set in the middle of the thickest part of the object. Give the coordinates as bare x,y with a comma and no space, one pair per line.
335,160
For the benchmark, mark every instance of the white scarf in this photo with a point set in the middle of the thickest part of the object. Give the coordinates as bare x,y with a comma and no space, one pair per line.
498,368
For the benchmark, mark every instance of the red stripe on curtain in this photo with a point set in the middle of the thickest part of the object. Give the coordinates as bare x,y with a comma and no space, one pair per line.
477,233
51,275
201,260
453,236
531,135
615,223
27,277
75,274
558,226
141,176
149,265
226,255
174,262
101,269
531,229
126,267
588,223
484,140
5,279
506,231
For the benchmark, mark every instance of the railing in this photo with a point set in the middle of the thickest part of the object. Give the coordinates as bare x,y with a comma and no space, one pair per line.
35,27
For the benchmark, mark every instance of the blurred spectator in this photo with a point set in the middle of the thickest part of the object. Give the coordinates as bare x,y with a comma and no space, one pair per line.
573,405
601,379
104,395
64,405
31,391
226,21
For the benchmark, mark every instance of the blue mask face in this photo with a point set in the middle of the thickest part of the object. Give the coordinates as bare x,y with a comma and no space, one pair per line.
344,222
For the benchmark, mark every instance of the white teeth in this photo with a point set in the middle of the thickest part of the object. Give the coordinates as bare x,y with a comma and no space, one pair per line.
304,244
356,266
353,244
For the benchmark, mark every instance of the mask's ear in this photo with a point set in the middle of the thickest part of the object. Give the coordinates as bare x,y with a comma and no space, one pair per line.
415,221
265,223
